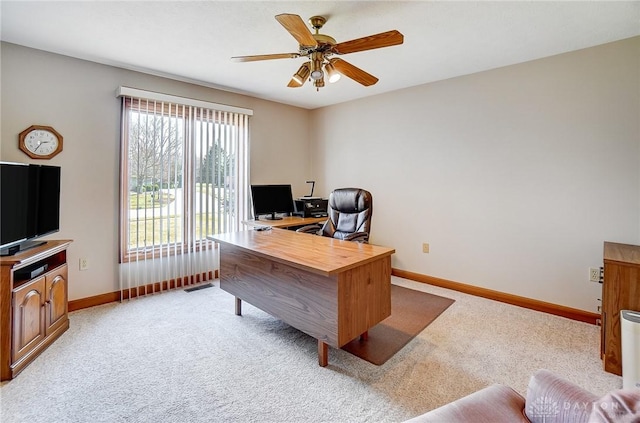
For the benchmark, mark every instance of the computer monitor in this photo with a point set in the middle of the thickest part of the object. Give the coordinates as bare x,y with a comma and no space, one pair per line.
271,199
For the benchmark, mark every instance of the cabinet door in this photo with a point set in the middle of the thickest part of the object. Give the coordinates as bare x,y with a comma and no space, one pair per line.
28,318
56,301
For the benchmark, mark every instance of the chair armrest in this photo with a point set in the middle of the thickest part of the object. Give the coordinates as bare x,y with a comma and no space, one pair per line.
358,237
310,229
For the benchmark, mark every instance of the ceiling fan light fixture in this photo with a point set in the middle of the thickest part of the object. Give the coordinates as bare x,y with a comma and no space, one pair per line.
300,77
332,73
316,66
317,74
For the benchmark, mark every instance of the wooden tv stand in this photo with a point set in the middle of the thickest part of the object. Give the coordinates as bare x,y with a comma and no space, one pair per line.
33,304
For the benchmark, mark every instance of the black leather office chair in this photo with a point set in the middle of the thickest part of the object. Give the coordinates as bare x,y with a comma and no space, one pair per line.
349,216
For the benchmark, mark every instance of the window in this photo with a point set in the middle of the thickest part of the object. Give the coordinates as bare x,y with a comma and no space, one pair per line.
184,173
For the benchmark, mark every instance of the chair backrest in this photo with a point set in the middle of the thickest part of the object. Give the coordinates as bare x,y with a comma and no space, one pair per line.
349,210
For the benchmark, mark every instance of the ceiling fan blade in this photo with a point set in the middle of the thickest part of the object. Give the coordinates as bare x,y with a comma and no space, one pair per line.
265,57
353,72
296,27
384,39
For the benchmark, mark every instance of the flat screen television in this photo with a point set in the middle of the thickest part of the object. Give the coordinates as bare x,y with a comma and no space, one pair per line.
29,205
271,199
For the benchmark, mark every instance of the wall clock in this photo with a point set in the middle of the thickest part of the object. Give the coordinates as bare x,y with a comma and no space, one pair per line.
40,142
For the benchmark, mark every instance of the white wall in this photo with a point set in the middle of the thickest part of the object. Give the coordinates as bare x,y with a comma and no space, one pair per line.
514,176
78,99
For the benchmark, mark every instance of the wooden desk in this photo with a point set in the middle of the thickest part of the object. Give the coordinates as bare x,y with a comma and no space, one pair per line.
330,289
286,222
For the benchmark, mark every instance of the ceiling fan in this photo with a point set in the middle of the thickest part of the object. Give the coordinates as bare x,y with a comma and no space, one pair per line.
319,49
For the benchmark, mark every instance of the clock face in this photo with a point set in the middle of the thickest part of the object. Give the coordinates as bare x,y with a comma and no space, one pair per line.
41,142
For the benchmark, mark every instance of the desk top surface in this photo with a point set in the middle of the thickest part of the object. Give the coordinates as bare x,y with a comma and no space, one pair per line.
622,253
315,253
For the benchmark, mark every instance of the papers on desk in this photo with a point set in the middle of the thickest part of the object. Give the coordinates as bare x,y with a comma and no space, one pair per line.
255,224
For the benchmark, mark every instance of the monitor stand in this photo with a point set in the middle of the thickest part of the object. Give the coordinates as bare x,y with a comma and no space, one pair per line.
273,217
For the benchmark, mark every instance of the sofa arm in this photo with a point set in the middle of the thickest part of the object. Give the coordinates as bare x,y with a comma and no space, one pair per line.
552,399
493,404
620,406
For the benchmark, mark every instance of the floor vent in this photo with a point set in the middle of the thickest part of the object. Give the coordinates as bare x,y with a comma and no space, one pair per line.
195,288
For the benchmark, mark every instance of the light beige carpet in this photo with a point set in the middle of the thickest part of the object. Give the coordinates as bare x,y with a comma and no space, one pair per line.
186,357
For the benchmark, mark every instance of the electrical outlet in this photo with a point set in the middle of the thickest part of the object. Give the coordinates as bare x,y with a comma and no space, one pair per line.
425,247
84,263
594,274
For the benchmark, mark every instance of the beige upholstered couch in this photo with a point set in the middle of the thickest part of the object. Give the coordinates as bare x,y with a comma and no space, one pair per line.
550,399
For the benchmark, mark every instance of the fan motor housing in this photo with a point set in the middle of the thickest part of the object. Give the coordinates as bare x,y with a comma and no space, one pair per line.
317,22
324,39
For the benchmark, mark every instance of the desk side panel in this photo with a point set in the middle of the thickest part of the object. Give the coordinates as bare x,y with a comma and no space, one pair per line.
304,300
364,298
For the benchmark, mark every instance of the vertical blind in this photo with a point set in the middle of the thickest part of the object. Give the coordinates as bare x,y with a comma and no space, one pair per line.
184,176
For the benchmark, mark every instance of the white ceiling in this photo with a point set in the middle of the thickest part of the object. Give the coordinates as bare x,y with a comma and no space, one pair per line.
194,40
